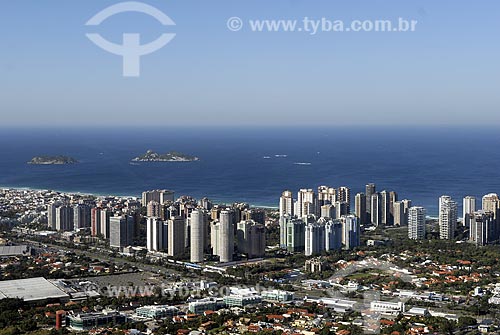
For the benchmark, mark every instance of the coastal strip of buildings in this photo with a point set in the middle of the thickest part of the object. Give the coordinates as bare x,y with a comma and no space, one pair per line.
310,221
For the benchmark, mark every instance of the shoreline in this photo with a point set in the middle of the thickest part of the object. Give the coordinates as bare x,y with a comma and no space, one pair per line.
215,201
429,216
137,197
24,188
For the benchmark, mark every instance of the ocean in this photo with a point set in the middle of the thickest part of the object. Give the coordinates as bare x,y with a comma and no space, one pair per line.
420,163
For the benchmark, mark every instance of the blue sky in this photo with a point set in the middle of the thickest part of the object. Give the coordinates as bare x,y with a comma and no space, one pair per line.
445,73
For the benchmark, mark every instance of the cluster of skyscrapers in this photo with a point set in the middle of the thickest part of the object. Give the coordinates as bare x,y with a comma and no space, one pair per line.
484,224
314,222
186,227
64,217
116,222
381,208
179,228
317,222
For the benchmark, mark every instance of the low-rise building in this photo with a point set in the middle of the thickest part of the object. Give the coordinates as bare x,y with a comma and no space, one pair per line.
418,311
277,295
156,312
207,304
32,290
15,250
89,321
387,307
242,300
338,305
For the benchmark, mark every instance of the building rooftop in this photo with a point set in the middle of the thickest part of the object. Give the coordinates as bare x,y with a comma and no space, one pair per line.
14,250
31,289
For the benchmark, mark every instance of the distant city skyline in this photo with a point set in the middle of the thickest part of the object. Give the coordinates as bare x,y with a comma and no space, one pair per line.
444,73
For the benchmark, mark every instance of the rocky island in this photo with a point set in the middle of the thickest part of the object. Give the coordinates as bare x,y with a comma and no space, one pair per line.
52,160
172,156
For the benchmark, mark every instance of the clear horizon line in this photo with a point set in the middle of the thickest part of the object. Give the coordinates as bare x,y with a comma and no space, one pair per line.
247,126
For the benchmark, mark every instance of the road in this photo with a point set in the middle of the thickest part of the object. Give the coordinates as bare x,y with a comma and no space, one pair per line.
106,258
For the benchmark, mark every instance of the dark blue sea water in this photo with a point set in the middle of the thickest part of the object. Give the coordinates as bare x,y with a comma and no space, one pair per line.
419,163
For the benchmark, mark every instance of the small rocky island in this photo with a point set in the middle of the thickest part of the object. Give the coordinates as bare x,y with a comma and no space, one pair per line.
52,160
172,156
